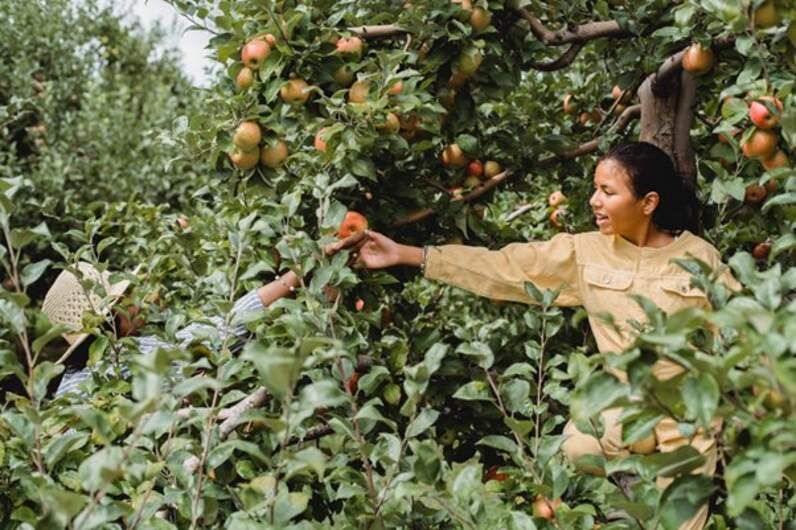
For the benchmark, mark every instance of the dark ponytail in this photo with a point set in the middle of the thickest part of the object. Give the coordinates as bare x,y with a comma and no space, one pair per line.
651,169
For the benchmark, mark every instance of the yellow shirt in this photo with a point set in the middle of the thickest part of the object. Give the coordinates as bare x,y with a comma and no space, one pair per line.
591,270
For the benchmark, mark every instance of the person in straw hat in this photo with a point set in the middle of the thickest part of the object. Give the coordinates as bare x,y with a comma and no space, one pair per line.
91,291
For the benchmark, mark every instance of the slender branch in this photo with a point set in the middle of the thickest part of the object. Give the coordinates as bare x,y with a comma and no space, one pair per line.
562,62
579,34
477,192
378,32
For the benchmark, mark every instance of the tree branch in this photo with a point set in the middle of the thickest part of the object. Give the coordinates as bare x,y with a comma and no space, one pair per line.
562,62
580,34
378,32
684,157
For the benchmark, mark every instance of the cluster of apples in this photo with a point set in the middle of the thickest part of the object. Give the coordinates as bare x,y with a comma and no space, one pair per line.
248,152
595,116
453,157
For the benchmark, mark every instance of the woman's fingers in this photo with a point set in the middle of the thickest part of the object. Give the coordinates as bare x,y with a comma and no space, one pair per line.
352,241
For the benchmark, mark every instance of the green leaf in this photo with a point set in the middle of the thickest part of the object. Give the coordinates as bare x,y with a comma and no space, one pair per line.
223,451
682,499
278,367
480,350
515,395
474,391
101,469
422,422
682,460
701,396
468,143
601,391
500,443
33,271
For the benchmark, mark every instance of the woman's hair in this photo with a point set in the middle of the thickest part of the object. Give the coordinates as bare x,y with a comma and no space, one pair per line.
651,169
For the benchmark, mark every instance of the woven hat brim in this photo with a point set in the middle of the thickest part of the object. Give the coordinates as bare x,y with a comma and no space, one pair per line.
116,291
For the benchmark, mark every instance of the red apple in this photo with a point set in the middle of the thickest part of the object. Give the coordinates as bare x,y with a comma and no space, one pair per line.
780,159
761,144
270,39
554,217
244,159
556,199
475,168
359,305
762,250
616,92
352,45
352,384
480,18
254,53
453,156
761,116
569,104
183,223
295,92
697,59
396,88
352,223
274,154
755,193
320,142
545,508
493,474
358,93
247,135
391,125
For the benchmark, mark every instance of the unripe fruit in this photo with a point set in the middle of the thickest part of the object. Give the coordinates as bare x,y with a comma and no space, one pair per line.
343,76
319,142
761,116
396,88
392,394
480,18
457,79
352,223
469,61
766,15
619,109
755,194
475,168
723,138
761,144
273,155
762,250
453,156
247,135
467,5
780,159
771,186
254,53
358,93
471,182
352,45
245,159
294,92
492,168
245,78
556,199
697,59
391,125
270,39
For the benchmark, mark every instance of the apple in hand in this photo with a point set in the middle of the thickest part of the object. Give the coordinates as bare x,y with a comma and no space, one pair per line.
352,223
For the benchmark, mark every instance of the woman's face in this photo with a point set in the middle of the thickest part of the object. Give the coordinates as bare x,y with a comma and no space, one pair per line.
616,209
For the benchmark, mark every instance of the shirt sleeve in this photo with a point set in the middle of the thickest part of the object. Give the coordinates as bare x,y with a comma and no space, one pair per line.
245,305
501,274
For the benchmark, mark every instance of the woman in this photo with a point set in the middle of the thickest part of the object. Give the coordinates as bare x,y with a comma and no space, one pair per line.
67,300
645,217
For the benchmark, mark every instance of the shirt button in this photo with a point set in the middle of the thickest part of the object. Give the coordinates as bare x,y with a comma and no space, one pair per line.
683,289
607,279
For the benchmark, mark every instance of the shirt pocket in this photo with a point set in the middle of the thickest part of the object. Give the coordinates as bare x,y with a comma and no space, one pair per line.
606,291
677,293
599,279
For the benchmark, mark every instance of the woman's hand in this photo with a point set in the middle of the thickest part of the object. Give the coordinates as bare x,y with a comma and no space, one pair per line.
373,250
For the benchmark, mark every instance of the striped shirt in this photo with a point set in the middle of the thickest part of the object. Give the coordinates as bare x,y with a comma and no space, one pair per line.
245,305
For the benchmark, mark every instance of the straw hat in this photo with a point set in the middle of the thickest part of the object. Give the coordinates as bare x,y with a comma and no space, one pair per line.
67,300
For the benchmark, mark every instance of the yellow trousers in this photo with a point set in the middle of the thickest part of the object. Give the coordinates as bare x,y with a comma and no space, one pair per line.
668,438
